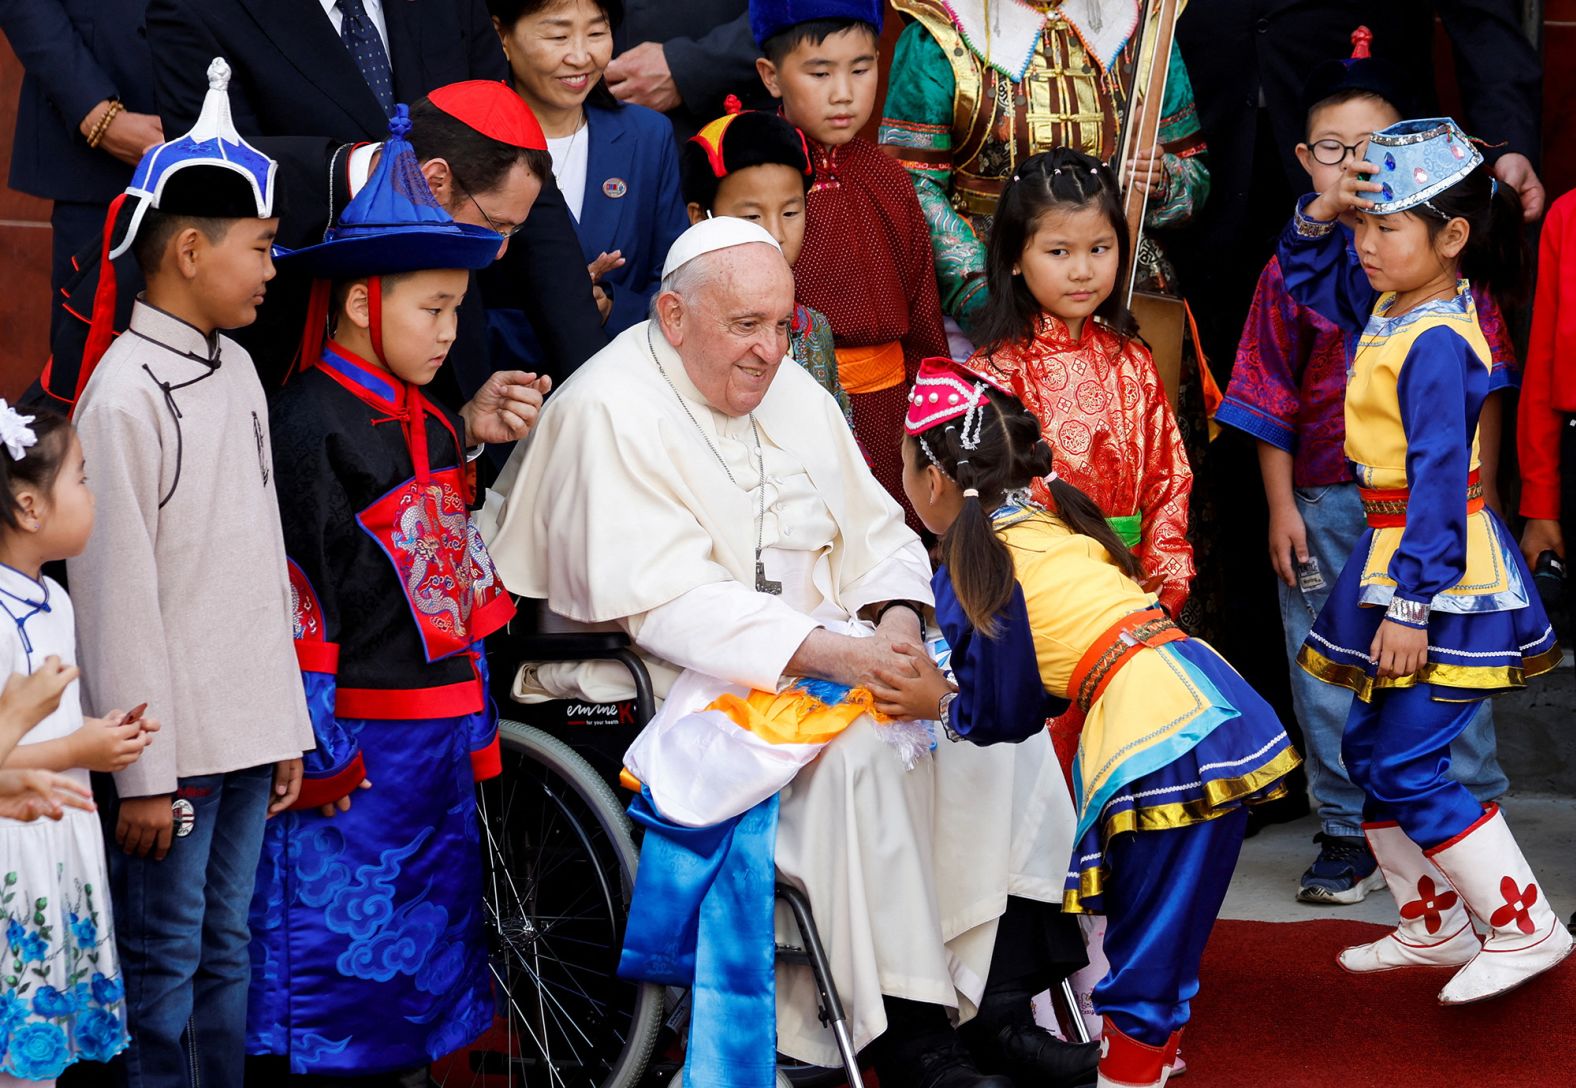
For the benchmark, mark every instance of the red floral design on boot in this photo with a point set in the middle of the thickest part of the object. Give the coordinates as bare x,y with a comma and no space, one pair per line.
1518,906
1430,904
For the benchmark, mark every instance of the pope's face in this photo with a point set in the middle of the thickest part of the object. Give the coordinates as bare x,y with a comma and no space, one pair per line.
731,328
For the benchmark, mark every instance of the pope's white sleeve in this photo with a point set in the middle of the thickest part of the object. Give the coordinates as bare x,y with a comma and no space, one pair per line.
724,629
903,576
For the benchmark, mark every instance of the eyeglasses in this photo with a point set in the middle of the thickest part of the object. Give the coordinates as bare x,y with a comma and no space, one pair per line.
491,223
1333,152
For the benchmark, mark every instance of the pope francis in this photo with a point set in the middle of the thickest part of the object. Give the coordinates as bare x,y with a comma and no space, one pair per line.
694,486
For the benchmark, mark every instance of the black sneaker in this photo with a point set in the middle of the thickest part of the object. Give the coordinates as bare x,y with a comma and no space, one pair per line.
1344,872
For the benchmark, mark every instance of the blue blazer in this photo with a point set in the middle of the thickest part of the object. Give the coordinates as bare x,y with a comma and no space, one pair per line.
632,203
75,53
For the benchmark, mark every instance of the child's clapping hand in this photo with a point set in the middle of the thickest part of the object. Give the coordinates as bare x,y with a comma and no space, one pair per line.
915,696
110,743
1350,193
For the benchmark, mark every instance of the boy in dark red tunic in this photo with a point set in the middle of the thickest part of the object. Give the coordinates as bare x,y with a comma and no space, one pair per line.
866,262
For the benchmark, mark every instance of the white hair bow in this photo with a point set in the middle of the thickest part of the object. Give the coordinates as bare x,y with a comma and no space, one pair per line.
15,434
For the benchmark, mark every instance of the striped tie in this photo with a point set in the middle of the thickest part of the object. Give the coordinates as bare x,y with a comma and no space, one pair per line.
366,49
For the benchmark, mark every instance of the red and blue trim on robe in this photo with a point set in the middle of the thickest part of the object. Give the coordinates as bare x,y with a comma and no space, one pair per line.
368,950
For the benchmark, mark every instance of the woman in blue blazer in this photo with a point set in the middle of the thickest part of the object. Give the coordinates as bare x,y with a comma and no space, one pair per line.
616,164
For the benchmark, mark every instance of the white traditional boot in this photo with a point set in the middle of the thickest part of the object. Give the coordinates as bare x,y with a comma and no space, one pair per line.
1525,936
1127,1063
1435,928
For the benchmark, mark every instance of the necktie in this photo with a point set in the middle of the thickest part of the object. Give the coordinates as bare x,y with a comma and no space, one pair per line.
366,49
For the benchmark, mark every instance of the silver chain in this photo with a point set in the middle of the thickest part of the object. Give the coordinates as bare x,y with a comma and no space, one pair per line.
760,467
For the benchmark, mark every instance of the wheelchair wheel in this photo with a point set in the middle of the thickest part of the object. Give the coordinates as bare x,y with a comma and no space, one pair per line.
560,871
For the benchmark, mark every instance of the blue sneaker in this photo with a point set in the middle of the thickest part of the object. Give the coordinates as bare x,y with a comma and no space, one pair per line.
1344,872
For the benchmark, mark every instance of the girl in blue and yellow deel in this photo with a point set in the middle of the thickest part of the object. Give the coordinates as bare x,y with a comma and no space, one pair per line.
1434,611
1041,607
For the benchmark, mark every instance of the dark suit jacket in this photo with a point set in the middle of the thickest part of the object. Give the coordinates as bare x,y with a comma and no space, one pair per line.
1273,45
631,203
297,94
1240,50
75,54
709,48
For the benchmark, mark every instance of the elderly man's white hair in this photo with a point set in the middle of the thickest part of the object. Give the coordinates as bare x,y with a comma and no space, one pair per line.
685,272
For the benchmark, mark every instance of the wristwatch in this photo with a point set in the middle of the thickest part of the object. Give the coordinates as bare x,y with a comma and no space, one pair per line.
944,714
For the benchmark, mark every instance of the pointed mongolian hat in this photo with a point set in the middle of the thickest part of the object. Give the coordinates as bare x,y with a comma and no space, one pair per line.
394,224
208,173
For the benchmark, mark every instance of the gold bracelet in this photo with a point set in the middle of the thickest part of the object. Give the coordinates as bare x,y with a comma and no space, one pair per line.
106,103
96,133
110,113
102,128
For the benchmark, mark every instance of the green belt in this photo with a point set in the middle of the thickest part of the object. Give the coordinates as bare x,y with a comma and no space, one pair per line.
1129,529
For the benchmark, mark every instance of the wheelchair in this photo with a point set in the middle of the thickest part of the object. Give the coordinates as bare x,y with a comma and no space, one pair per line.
560,857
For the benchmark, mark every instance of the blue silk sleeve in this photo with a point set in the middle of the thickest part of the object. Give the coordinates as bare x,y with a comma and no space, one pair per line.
1323,273
1000,694
335,764
1441,389
333,768
482,726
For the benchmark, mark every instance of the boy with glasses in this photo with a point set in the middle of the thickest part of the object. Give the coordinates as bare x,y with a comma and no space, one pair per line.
1288,391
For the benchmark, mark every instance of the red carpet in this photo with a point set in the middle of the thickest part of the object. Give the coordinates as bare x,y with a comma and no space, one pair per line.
1274,1011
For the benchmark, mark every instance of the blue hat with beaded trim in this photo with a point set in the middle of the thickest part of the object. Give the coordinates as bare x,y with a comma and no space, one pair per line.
394,224
769,18
210,172
1417,161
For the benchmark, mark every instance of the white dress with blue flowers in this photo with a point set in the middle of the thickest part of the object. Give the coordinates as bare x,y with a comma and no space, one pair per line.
61,996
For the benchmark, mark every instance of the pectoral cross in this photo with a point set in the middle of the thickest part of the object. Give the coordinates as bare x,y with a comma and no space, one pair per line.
764,584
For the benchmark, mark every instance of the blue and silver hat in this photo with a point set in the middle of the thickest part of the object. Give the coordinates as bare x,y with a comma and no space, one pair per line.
1417,161
209,172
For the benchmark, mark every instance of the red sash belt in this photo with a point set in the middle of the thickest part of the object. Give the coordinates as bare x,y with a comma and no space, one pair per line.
1115,647
1386,508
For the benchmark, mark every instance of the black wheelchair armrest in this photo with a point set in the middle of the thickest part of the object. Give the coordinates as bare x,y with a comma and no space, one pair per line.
570,646
527,642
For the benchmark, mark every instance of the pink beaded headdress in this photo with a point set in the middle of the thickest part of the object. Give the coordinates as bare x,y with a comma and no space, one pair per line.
945,390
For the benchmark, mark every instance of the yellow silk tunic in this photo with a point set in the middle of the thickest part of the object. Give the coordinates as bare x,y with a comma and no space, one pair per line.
1074,594
1376,444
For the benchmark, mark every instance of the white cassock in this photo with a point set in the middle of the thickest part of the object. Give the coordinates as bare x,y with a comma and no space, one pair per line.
615,509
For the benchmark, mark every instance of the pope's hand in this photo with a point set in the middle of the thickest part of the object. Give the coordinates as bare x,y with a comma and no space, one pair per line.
28,794
505,408
27,700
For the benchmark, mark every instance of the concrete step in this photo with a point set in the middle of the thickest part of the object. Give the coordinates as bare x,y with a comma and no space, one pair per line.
1537,732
